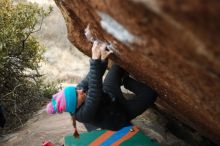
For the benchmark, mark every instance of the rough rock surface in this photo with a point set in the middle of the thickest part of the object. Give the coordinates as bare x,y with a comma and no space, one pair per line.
171,45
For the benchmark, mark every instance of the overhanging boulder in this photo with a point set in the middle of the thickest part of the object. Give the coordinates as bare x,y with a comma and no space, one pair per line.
171,45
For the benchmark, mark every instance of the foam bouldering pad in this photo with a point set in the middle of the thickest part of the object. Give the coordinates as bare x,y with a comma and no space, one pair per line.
127,136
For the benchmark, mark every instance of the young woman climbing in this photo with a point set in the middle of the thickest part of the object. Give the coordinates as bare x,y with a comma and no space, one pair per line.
101,103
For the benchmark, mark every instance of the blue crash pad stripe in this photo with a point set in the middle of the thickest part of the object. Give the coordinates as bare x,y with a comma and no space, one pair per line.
115,137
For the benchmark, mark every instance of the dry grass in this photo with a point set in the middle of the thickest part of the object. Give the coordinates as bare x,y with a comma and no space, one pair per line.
63,61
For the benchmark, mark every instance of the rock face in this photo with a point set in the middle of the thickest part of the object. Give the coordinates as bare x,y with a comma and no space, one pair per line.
171,45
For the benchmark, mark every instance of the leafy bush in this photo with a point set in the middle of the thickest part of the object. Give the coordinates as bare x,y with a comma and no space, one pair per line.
21,86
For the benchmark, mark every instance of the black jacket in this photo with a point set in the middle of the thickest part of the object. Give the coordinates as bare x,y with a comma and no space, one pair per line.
98,108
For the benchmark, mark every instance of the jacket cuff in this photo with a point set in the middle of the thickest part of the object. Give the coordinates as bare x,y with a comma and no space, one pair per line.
98,62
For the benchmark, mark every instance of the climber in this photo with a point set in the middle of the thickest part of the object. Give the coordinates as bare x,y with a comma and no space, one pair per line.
102,104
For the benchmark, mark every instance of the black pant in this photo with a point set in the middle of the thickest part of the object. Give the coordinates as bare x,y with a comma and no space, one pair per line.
144,95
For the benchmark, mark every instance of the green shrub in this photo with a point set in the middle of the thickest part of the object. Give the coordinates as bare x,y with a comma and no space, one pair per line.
21,86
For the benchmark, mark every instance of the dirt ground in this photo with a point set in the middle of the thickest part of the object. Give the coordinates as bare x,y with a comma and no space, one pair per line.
40,128
44,127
